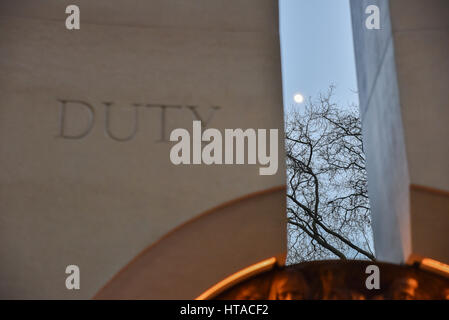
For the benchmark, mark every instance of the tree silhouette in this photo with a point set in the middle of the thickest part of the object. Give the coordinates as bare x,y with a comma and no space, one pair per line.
327,198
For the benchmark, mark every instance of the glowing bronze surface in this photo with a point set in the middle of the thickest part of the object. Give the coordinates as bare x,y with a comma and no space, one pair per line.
339,280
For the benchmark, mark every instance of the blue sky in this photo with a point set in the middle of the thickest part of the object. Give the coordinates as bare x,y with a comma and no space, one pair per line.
317,49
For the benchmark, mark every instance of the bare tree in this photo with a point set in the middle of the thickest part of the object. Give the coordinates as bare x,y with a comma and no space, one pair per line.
327,198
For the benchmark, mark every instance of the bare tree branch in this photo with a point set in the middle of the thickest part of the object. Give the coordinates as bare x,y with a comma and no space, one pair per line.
328,206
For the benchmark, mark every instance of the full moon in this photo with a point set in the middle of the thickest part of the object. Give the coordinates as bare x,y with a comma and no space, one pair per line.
298,98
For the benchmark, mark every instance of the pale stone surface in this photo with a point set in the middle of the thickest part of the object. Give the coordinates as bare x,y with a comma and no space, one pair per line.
423,63
216,15
421,35
410,89
97,202
388,178
370,48
169,269
430,223
414,15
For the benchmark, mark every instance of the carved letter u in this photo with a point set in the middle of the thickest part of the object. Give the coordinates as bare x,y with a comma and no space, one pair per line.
108,126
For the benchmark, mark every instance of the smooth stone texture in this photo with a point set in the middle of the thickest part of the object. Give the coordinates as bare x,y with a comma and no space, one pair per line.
169,269
423,66
216,15
419,14
370,47
405,130
387,169
430,222
421,35
98,202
